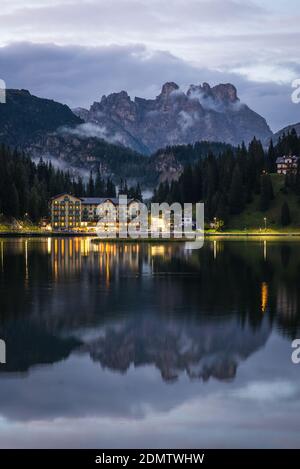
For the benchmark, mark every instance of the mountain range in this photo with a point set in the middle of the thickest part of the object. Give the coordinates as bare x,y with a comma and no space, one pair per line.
174,117
117,132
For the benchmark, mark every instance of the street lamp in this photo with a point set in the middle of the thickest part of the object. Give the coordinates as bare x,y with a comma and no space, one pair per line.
265,220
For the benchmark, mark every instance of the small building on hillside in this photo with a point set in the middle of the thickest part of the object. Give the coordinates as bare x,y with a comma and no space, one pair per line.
287,164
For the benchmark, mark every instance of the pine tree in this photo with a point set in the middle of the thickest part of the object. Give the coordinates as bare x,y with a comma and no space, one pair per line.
91,187
271,159
285,215
236,195
222,212
266,192
99,185
13,200
34,205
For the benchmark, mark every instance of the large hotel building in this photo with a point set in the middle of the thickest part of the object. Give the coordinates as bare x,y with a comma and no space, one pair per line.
70,213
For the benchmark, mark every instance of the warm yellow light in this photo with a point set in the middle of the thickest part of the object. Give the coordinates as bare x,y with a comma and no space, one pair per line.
157,250
264,296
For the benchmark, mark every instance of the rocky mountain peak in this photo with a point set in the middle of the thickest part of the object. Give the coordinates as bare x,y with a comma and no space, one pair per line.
120,97
168,88
206,87
225,92
174,117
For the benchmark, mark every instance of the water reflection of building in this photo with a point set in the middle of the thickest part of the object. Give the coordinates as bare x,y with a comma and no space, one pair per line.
70,256
71,284
264,296
287,302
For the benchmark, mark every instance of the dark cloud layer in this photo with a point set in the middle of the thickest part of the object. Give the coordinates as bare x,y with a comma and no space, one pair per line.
78,75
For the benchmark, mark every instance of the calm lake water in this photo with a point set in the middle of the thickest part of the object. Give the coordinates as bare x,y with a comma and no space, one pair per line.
149,345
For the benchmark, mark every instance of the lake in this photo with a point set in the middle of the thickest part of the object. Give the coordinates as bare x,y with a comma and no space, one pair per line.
149,345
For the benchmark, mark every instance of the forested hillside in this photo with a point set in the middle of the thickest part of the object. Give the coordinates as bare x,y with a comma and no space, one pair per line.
26,187
230,183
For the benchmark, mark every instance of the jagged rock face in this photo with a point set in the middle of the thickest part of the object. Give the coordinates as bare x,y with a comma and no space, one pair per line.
167,167
174,117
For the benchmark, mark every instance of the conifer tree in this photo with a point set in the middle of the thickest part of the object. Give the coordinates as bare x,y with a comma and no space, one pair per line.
285,214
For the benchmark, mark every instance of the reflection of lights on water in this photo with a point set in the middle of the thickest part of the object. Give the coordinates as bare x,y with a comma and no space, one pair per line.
85,246
265,250
26,260
157,250
55,247
215,249
264,296
67,255
107,273
70,247
49,245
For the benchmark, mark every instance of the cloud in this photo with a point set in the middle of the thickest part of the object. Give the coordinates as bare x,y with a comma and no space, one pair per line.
99,22
89,130
212,104
57,163
267,391
79,75
186,120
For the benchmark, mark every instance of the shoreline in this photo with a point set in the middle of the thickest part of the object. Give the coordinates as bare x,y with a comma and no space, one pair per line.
43,234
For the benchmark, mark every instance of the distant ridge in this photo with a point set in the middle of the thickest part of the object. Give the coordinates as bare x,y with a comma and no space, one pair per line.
25,116
287,130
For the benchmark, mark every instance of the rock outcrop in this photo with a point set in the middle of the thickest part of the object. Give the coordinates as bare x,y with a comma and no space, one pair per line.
174,117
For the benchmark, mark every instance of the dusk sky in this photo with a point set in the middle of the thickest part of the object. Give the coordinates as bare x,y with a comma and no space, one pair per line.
76,51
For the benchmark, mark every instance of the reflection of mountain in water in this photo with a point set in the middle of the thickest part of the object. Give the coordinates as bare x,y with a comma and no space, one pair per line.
201,349
221,299
28,345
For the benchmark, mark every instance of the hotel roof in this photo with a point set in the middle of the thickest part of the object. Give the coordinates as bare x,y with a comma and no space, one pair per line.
92,200
63,193
97,200
101,200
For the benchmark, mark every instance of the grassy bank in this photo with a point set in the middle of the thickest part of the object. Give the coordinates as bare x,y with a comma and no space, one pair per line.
252,219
